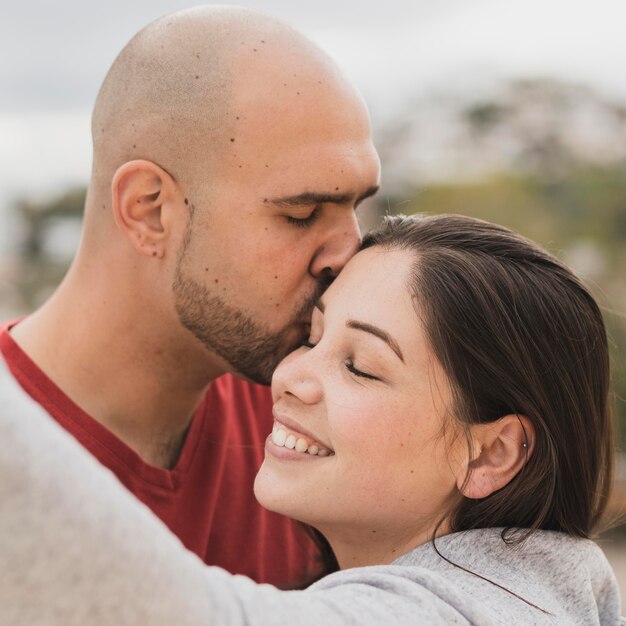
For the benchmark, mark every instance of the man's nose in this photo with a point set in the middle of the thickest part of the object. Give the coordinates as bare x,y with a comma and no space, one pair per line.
337,248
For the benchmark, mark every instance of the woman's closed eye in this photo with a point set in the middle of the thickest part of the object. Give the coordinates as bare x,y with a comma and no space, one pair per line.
349,363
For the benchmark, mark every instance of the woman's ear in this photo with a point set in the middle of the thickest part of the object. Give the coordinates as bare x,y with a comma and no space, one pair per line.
504,447
140,190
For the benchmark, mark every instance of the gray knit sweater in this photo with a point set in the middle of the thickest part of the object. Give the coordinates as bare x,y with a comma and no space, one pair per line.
77,549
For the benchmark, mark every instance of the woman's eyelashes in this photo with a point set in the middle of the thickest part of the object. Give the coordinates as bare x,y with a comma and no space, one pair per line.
348,363
350,367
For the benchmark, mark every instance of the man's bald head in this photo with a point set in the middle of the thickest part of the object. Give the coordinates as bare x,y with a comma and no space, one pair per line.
182,87
236,115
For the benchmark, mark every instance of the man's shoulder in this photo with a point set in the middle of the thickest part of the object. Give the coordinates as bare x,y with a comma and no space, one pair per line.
21,366
8,348
10,391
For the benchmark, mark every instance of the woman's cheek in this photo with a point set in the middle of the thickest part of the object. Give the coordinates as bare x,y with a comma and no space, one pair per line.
357,425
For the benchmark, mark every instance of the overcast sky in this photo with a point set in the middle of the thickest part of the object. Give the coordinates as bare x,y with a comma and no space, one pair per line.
54,54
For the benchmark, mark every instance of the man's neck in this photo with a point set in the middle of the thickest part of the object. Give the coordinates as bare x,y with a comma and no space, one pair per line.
139,381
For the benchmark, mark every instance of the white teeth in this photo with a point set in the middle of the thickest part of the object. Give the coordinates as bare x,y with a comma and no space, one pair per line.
279,437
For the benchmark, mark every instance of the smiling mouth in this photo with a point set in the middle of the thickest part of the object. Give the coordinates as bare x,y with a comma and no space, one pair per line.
284,437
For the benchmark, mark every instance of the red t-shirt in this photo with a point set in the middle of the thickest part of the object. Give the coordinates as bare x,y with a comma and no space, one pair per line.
207,498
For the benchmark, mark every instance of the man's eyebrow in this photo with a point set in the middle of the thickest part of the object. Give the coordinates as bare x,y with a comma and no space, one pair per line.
309,198
377,332
371,191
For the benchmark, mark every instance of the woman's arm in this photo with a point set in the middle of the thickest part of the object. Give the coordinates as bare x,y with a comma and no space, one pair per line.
78,549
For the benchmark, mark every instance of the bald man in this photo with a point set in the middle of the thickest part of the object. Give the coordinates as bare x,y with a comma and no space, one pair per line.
229,157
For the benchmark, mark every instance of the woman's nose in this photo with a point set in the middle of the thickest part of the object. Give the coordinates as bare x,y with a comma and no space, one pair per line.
297,377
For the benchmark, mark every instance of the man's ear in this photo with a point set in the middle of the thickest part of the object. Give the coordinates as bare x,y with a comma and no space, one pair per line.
140,190
503,448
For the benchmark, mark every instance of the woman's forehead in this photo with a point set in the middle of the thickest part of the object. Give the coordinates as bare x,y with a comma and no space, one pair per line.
374,288
372,277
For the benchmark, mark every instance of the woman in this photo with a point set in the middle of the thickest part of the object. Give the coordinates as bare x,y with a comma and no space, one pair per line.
456,379
446,428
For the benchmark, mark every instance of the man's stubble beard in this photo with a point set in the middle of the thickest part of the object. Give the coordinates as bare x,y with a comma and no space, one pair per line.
249,347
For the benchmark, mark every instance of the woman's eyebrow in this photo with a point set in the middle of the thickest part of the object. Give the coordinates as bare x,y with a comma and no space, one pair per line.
377,332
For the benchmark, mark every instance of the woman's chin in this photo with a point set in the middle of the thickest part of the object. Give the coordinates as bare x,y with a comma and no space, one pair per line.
266,493
271,496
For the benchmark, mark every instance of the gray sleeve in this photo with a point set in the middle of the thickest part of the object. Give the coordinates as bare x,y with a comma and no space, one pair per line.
359,598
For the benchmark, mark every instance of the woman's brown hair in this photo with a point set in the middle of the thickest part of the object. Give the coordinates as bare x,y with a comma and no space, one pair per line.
516,332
